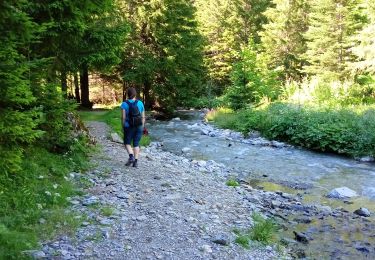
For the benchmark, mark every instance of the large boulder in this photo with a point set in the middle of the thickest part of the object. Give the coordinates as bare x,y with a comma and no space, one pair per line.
342,193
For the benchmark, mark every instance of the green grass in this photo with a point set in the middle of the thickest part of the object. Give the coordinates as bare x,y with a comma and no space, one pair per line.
107,211
264,232
111,117
33,202
232,183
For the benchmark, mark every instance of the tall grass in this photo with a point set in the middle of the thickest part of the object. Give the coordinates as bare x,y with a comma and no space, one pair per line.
32,203
263,231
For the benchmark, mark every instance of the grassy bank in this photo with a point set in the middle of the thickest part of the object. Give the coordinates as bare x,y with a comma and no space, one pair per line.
348,131
33,202
112,117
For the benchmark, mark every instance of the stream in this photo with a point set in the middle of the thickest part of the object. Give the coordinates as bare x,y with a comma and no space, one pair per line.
288,169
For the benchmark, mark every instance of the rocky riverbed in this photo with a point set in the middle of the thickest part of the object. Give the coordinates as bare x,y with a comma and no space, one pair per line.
173,207
168,208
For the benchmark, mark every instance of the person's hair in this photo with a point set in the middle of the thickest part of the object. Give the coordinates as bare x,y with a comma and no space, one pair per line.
132,93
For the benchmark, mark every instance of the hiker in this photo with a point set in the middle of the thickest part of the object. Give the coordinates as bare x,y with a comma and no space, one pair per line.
133,122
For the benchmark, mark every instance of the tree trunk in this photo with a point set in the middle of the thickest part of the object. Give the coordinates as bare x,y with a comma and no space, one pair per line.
76,86
147,95
64,84
123,91
85,98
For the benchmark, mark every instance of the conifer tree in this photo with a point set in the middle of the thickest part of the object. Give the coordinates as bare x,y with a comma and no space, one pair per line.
365,49
227,26
331,25
18,118
282,38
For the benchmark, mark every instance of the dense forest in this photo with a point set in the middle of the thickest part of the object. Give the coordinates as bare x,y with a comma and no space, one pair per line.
296,70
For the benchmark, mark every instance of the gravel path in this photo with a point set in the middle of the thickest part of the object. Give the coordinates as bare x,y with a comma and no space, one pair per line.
167,208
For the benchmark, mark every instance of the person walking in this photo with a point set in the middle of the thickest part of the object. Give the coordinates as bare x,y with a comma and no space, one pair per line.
133,122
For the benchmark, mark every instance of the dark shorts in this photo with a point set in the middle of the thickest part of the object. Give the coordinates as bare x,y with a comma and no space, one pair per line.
133,134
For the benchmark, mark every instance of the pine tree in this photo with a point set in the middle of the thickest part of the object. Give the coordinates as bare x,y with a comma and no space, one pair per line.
365,49
164,56
227,26
282,38
18,118
331,25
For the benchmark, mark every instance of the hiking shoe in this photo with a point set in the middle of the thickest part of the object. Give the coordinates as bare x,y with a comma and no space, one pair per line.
129,162
135,164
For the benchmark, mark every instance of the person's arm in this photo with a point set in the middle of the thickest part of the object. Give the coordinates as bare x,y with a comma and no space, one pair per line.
123,117
143,119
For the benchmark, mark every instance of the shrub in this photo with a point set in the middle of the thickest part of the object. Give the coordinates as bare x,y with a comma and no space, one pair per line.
341,130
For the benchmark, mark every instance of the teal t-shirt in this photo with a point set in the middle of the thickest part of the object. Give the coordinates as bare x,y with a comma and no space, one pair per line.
125,106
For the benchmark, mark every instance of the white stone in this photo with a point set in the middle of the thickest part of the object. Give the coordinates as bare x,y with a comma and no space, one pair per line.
206,249
367,159
342,193
186,149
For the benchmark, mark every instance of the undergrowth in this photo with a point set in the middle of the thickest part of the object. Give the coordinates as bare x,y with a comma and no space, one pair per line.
343,130
33,201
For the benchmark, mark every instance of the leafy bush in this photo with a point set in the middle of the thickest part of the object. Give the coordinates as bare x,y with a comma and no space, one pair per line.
341,130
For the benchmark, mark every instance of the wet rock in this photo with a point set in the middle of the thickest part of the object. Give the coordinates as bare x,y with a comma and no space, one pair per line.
277,144
363,249
254,134
367,159
204,132
301,237
342,193
186,149
221,239
362,212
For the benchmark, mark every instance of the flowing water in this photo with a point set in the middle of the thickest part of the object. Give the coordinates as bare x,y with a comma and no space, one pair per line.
319,172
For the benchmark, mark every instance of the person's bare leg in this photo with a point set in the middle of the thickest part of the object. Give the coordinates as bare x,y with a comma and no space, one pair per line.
136,152
129,149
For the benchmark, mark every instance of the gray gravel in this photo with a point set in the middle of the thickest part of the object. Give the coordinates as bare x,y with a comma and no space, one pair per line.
167,208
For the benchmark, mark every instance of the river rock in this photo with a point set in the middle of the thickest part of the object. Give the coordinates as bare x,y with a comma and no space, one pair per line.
254,134
277,144
367,159
204,132
90,201
221,239
206,249
342,193
301,237
362,212
186,149
116,138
